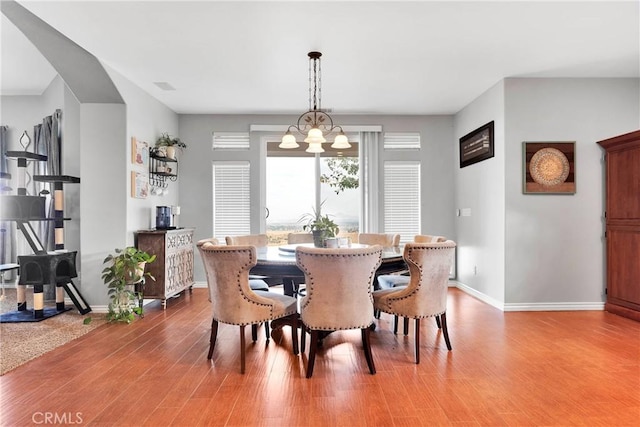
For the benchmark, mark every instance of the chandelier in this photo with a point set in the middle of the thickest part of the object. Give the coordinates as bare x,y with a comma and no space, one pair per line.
315,124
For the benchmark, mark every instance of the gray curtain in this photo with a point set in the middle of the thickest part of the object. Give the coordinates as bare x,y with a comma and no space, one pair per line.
369,146
48,142
3,150
7,229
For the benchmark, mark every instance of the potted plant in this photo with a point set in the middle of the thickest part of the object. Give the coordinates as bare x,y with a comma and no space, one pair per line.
124,269
167,144
321,226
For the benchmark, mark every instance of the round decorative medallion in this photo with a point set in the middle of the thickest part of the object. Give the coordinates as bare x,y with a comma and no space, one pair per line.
549,166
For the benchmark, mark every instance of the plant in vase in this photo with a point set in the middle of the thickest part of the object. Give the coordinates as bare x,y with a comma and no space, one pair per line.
167,144
123,270
322,227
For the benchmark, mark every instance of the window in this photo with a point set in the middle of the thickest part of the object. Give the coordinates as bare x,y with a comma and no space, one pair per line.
297,182
231,199
402,198
401,141
231,141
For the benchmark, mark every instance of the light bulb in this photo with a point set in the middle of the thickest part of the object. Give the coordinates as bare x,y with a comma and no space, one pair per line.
315,147
315,136
288,141
341,142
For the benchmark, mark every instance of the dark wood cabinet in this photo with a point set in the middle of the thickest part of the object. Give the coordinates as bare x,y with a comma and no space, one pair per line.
173,267
623,224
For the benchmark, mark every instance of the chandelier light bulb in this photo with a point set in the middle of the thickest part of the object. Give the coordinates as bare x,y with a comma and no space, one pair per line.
341,142
288,141
315,147
315,136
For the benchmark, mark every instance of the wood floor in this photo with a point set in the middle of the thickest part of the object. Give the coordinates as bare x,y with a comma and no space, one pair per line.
517,369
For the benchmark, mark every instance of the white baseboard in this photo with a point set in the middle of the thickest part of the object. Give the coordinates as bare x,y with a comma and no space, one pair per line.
532,306
555,306
479,295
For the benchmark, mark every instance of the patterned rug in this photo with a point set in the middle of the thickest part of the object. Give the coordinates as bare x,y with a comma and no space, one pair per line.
21,342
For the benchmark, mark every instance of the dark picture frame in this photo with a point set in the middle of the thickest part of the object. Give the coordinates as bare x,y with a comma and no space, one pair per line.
549,167
477,145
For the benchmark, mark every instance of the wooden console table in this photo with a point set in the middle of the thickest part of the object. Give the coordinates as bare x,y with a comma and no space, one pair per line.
173,267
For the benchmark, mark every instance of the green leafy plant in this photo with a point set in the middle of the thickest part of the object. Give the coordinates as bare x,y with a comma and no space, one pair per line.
166,140
343,173
320,225
123,270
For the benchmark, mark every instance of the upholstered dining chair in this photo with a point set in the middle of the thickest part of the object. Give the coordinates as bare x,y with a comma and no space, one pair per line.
234,302
388,281
338,294
257,283
257,240
254,284
294,238
387,240
426,294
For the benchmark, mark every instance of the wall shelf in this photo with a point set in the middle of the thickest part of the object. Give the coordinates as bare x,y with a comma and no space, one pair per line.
161,169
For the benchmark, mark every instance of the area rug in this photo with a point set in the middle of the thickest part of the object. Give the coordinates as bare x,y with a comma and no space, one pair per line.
27,315
21,342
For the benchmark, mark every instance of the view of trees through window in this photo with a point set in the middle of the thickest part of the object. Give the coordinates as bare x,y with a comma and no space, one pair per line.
291,186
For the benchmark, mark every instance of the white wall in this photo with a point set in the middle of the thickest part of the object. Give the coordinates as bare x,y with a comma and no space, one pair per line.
196,185
147,118
480,188
104,192
554,243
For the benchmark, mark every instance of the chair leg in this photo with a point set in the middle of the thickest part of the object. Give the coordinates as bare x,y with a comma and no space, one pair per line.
406,326
242,345
315,335
438,321
417,341
266,330
366,343
214,335
294,333
443,319
303,337
395,325
254,332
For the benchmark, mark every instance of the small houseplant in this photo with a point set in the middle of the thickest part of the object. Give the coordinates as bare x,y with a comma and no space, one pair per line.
321,226
123,270
167,144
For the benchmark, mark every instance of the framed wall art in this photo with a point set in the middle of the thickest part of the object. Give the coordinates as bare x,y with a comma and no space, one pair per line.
549,168
139,185
477,146
139,152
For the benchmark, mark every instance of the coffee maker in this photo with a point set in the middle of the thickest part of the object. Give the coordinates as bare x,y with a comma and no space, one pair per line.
163,218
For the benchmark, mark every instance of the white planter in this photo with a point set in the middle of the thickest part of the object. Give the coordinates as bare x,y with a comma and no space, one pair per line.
171,152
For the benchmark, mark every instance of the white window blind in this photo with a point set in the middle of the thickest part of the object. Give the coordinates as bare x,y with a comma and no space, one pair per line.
402,199
401,141
231,141
231,199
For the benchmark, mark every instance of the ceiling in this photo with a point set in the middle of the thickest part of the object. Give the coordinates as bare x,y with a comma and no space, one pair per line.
418,57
